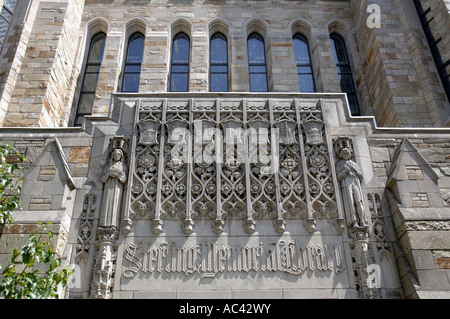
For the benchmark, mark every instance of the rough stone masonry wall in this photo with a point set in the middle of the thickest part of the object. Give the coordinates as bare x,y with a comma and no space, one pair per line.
38,99
47,194
401,74
276,21
393,70
421,215
432,90
12,54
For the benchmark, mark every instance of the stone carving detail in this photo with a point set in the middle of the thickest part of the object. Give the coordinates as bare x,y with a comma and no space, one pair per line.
349,174
363,260
427,225
261,173
378,225
204,177
105,264
247,159
175,168
232,172
144,188
86,225
114,177
319,187
210,259
292,196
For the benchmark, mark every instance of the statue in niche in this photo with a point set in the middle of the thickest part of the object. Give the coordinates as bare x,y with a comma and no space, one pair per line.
349,174
114,177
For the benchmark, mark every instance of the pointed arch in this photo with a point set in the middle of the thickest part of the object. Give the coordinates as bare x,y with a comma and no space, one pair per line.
133,49
133,62
340,38
134,25
90,75
180,34
179,65
96,25
303,41
219,54
257,63
339,27
219,25
180,25
95,28
303,27
218,66
257,25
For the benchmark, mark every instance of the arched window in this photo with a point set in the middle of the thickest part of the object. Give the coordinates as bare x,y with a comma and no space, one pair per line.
345,72
303,61
218,63
91,71
133,61
257,63
179,70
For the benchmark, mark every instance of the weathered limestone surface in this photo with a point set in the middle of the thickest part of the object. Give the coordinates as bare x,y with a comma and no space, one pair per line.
271,221
212,255
394,73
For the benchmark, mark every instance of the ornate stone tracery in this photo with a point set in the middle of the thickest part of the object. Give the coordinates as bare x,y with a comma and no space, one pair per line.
84,237
114,176
245,158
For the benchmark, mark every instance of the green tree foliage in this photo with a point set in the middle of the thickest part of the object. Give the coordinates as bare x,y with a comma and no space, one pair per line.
31,282
32,272
11,172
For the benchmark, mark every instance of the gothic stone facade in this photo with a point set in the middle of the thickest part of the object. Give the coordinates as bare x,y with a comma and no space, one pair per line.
235,194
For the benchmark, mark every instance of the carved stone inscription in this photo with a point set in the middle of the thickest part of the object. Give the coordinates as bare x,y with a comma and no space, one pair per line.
209,258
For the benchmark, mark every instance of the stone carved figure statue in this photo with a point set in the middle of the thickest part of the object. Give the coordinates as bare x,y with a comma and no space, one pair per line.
114,177
349,174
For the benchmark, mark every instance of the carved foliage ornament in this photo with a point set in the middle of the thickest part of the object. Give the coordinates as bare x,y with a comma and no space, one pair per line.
218,159
86,225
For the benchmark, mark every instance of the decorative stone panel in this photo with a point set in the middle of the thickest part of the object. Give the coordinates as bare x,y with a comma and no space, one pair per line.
240,158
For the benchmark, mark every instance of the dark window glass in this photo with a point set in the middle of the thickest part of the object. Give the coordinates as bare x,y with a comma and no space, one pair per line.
218,63
435,43
344,71
179,72
132,69
304,67
90,78
257,63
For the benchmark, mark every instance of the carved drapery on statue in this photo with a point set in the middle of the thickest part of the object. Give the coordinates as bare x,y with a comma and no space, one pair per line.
114,176
231,158
349,174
